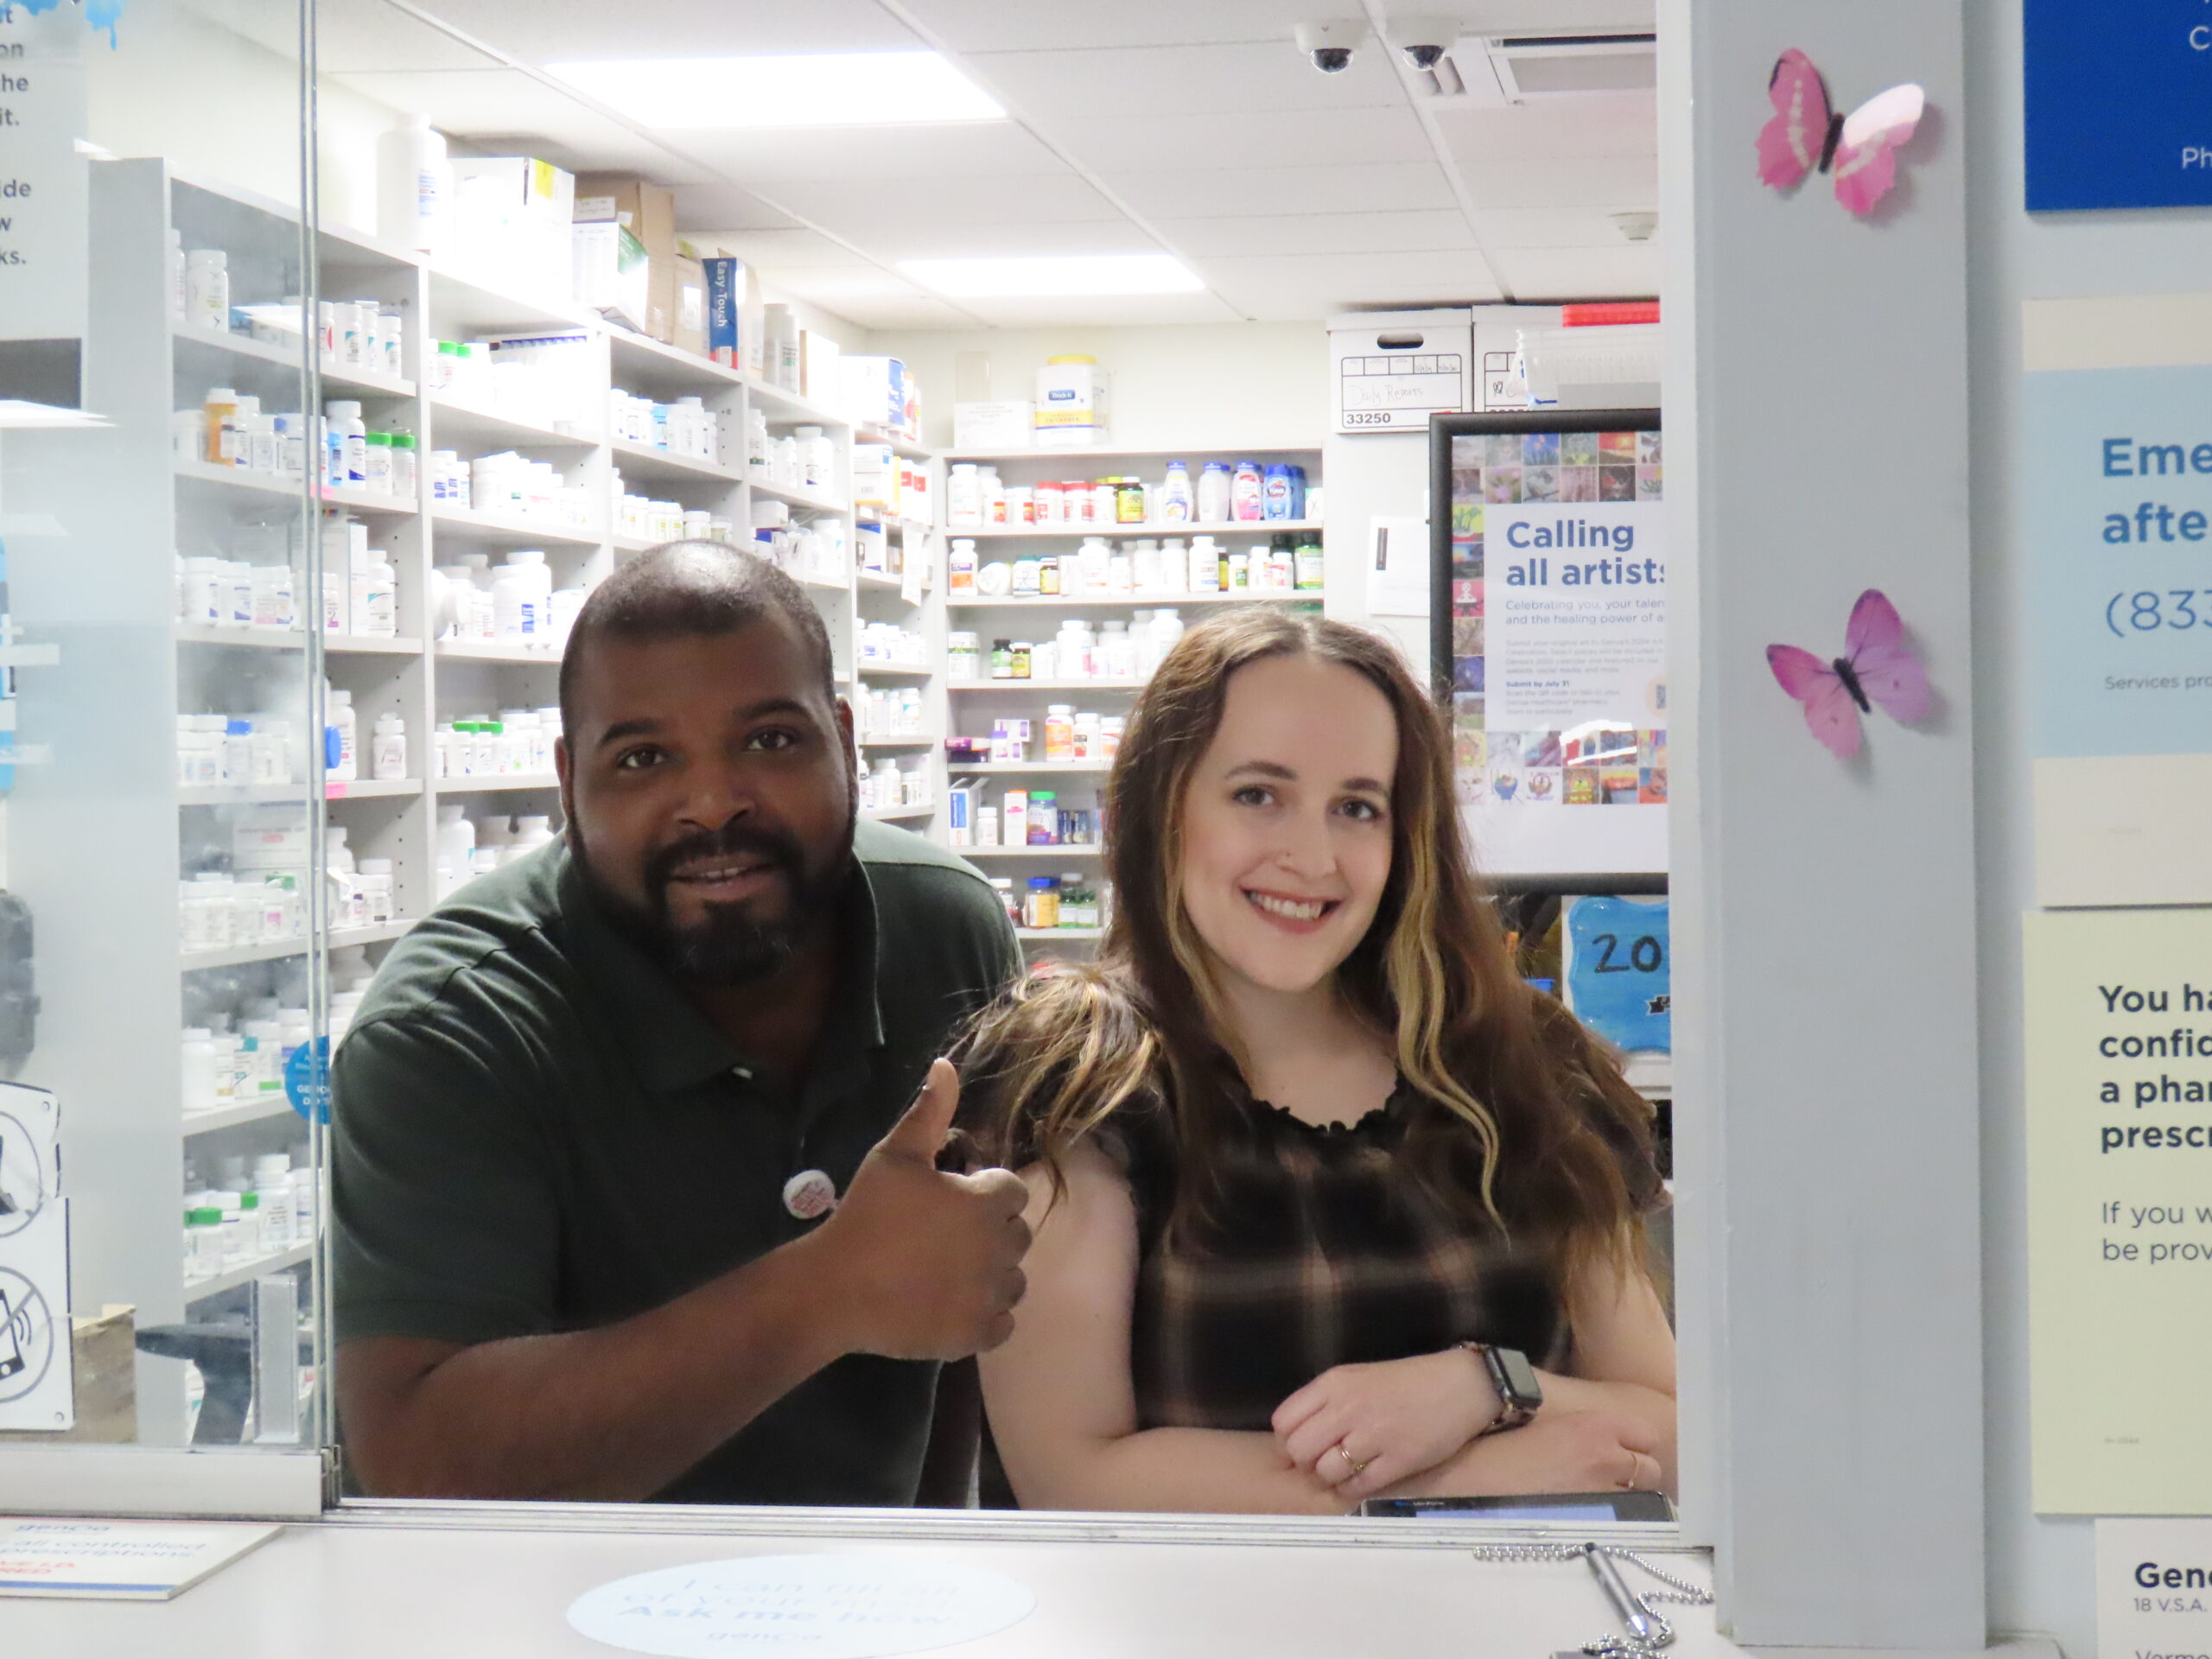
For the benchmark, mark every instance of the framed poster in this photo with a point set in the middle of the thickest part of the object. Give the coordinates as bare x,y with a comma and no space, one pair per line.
1548,604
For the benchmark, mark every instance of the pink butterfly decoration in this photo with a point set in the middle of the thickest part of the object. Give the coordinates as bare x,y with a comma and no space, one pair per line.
1858,149
1877,667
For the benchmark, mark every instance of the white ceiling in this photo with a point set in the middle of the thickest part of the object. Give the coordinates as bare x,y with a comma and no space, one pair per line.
1191,125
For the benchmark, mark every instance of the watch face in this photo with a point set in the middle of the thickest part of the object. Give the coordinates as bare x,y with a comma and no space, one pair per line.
1527,1391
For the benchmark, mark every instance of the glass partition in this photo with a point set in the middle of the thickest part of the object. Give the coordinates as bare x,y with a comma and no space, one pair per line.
162,721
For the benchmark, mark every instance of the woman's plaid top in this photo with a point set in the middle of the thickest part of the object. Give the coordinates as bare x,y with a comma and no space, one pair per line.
1326,1253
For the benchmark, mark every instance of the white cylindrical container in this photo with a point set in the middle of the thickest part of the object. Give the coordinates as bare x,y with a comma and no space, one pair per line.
963,496
272,1189
207,289
817,460
521,595
198,1068
381,600
387,748
376,883
414,185
338,709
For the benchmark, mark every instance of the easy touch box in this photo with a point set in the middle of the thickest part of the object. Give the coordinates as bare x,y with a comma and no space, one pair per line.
726,285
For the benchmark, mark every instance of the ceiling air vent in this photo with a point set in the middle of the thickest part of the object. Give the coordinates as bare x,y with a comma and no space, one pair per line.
1493,71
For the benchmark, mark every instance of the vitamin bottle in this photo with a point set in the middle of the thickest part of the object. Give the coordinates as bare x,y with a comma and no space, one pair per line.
1175,504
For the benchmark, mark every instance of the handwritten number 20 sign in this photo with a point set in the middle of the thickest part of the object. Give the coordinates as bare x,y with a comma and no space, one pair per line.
1858,151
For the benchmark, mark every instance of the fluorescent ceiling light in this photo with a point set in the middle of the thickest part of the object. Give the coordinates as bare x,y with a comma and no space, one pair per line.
1079,274
843,89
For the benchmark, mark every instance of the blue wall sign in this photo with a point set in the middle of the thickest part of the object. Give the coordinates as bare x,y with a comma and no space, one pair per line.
1620,972
2118,104
306,1080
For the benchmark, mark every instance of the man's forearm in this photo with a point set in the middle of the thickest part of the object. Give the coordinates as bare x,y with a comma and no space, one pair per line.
612,1414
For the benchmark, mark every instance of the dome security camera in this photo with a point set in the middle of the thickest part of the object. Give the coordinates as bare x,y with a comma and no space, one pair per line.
1424,39
1330,45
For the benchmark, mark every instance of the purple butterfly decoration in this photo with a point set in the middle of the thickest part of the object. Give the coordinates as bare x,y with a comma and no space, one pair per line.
1876,668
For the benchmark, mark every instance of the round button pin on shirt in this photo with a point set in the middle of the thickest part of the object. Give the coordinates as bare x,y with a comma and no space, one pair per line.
809,1195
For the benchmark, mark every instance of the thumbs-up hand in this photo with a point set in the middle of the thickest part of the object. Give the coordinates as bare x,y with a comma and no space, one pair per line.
932,1261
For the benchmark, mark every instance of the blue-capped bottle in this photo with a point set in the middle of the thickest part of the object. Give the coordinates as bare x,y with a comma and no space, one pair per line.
1275,493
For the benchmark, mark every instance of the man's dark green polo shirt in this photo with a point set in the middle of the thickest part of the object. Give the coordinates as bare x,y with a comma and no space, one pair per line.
536,1131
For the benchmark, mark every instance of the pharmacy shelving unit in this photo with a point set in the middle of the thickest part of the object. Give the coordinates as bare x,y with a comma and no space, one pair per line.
975,703
101,857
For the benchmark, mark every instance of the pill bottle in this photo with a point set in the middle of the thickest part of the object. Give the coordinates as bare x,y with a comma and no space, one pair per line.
341,719
207,289
1041,907
960,566
387,748
1059,732
375,881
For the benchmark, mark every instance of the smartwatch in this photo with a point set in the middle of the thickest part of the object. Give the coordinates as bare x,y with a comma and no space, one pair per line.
1519,1393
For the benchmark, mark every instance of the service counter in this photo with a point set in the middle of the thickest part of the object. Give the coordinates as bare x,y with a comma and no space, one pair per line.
430,1588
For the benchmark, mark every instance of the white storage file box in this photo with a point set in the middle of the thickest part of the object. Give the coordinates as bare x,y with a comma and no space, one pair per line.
1389,370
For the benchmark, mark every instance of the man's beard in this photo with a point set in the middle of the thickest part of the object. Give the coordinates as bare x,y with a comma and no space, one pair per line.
729,945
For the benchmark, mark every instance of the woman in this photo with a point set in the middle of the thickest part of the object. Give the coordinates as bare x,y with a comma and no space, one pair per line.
1302,1133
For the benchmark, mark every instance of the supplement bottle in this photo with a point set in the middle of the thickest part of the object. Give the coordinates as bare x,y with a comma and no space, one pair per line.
817,461
1213,493
1309,565
207,289
339,718
376,881
1246,504
960,566
379,611
1277,496
1175,503
272,1188
1205,565
414,185
387,748
1059,732
345,418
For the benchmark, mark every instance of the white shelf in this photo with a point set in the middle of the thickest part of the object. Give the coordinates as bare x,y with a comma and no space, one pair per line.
807,499
496,783
1155,600
1078,850
202,1289
371,645
497,651
369,501
278,950
788,409
1059,933
451,419
865,432
870,670
644,355
641,460
457,521
362,789
241,479
1219,531
241,794
259,1109
898,742
869,581
1170,452
244,638
290,357
338,645
1062,768
893,814
1044,686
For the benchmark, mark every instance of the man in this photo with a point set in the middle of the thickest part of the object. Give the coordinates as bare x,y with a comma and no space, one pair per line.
589,1117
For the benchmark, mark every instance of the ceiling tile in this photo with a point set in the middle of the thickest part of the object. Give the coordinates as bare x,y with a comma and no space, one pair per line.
850,206
1375,186
1284,139
993,149
1319,233
1519,17
725,207
1571,123
555,31
931,239
1269,77
993,25
1324,283
906,314
361,36
1604,182
1537,275
1127,310
1552,227
779,249
493,112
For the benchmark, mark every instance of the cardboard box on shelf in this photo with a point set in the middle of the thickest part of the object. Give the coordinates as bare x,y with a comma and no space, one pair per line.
818,357
611,272
512,224
649,210
689,334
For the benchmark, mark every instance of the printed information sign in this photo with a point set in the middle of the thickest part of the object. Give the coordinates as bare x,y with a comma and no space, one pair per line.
2116,532
2118,1019
2154,1587
43,182
2116,97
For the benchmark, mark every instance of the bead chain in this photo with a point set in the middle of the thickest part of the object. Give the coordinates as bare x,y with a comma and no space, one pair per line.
1679,1591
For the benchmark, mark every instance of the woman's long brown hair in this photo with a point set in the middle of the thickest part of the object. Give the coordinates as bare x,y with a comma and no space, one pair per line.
1520,1108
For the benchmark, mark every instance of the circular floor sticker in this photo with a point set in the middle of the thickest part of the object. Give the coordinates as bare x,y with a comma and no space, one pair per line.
840,1606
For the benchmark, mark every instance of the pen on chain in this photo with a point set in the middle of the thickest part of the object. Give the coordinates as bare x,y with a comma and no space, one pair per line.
1629,1608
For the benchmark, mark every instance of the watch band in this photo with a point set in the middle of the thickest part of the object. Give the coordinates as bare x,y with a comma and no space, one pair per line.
1515,1408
